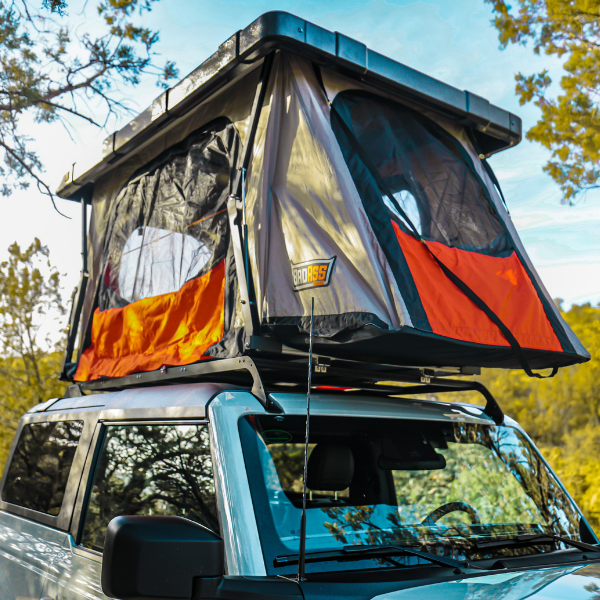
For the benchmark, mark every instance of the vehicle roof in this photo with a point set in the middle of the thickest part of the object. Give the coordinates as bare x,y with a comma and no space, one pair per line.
495,128
173,399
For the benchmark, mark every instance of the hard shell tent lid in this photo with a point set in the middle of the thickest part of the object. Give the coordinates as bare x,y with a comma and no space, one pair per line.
295,163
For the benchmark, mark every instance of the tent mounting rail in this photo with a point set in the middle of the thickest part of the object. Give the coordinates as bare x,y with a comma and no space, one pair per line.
349,377
207,370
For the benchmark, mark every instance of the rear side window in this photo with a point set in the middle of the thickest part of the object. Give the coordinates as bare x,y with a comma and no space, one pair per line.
151,470
39,470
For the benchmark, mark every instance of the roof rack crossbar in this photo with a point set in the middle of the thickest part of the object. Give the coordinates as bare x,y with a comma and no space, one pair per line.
373,381
492,408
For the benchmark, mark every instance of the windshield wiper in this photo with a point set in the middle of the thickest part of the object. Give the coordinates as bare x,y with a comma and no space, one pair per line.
357,552
531,539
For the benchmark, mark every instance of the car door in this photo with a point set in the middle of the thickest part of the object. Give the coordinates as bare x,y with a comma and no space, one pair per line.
38,488
140,468
25,552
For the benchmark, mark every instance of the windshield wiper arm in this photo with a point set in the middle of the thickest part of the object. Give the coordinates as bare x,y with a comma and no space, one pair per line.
444,561
357,552
531,539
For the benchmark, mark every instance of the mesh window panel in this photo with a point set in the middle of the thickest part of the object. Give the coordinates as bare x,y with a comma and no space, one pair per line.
151,470
39,470
427,170
169,223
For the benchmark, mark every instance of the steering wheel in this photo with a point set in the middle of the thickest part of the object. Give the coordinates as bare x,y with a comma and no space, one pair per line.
443,510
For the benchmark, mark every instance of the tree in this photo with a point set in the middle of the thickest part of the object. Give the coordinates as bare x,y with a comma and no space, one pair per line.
51,72
570,122
30,360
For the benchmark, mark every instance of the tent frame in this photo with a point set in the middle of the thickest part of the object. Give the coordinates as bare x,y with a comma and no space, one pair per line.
79,292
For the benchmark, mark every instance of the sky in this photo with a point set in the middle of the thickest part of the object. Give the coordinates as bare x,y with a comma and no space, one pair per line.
453,41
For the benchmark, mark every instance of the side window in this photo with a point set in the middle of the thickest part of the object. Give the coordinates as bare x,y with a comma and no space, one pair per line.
38,473
151,470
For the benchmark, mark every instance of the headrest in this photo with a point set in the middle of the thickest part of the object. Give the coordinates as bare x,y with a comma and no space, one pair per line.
330,467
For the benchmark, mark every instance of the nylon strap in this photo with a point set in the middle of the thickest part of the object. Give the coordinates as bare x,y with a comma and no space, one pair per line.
459,283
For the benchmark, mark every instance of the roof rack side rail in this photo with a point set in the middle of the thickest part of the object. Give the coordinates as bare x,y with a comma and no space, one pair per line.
203,370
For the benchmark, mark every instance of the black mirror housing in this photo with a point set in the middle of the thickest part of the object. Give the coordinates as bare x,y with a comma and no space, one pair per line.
150,557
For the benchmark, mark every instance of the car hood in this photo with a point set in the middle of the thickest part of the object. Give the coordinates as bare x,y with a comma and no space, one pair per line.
564,583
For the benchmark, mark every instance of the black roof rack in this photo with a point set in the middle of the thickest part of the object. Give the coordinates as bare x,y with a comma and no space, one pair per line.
264,374
494,128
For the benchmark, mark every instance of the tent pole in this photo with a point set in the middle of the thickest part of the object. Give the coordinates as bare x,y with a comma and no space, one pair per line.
241,250
245,226
84,252
79,292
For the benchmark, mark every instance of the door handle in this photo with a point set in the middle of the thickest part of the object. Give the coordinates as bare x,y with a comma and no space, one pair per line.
46,598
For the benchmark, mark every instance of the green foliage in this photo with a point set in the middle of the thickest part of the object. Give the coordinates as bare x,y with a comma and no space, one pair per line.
562,414
50,69
570,122
474,474
29,361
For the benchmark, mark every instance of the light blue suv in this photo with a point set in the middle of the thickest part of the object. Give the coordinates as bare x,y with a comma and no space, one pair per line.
195,491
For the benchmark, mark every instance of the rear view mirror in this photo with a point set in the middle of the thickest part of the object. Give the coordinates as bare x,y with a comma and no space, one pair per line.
410,451
158,557
437,462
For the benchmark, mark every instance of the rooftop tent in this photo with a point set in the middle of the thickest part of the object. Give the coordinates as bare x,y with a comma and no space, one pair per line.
294,181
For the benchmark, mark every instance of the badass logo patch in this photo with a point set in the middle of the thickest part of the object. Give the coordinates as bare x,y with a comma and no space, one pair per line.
313,273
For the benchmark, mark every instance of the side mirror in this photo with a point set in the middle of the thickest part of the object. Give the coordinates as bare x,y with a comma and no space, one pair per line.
158,557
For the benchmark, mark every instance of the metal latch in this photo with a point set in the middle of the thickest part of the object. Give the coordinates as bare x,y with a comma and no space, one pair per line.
426,375
321,364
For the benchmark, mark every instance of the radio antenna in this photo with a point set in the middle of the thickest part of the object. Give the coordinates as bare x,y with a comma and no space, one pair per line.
302,550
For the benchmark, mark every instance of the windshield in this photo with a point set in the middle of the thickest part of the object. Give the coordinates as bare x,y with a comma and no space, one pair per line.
441,487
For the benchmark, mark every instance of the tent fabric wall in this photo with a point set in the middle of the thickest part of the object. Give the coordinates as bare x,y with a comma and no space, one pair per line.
138,337
306,211
336,83
233,101
299,177
304,206
502,283
426,173
160,292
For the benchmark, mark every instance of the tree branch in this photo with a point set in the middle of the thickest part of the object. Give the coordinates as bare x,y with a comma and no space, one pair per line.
40,183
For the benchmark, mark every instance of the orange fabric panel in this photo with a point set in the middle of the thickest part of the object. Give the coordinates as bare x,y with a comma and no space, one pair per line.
502,283
171,329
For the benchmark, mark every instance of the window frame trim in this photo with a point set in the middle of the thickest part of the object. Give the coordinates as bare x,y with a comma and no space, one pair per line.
61,521
89,471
